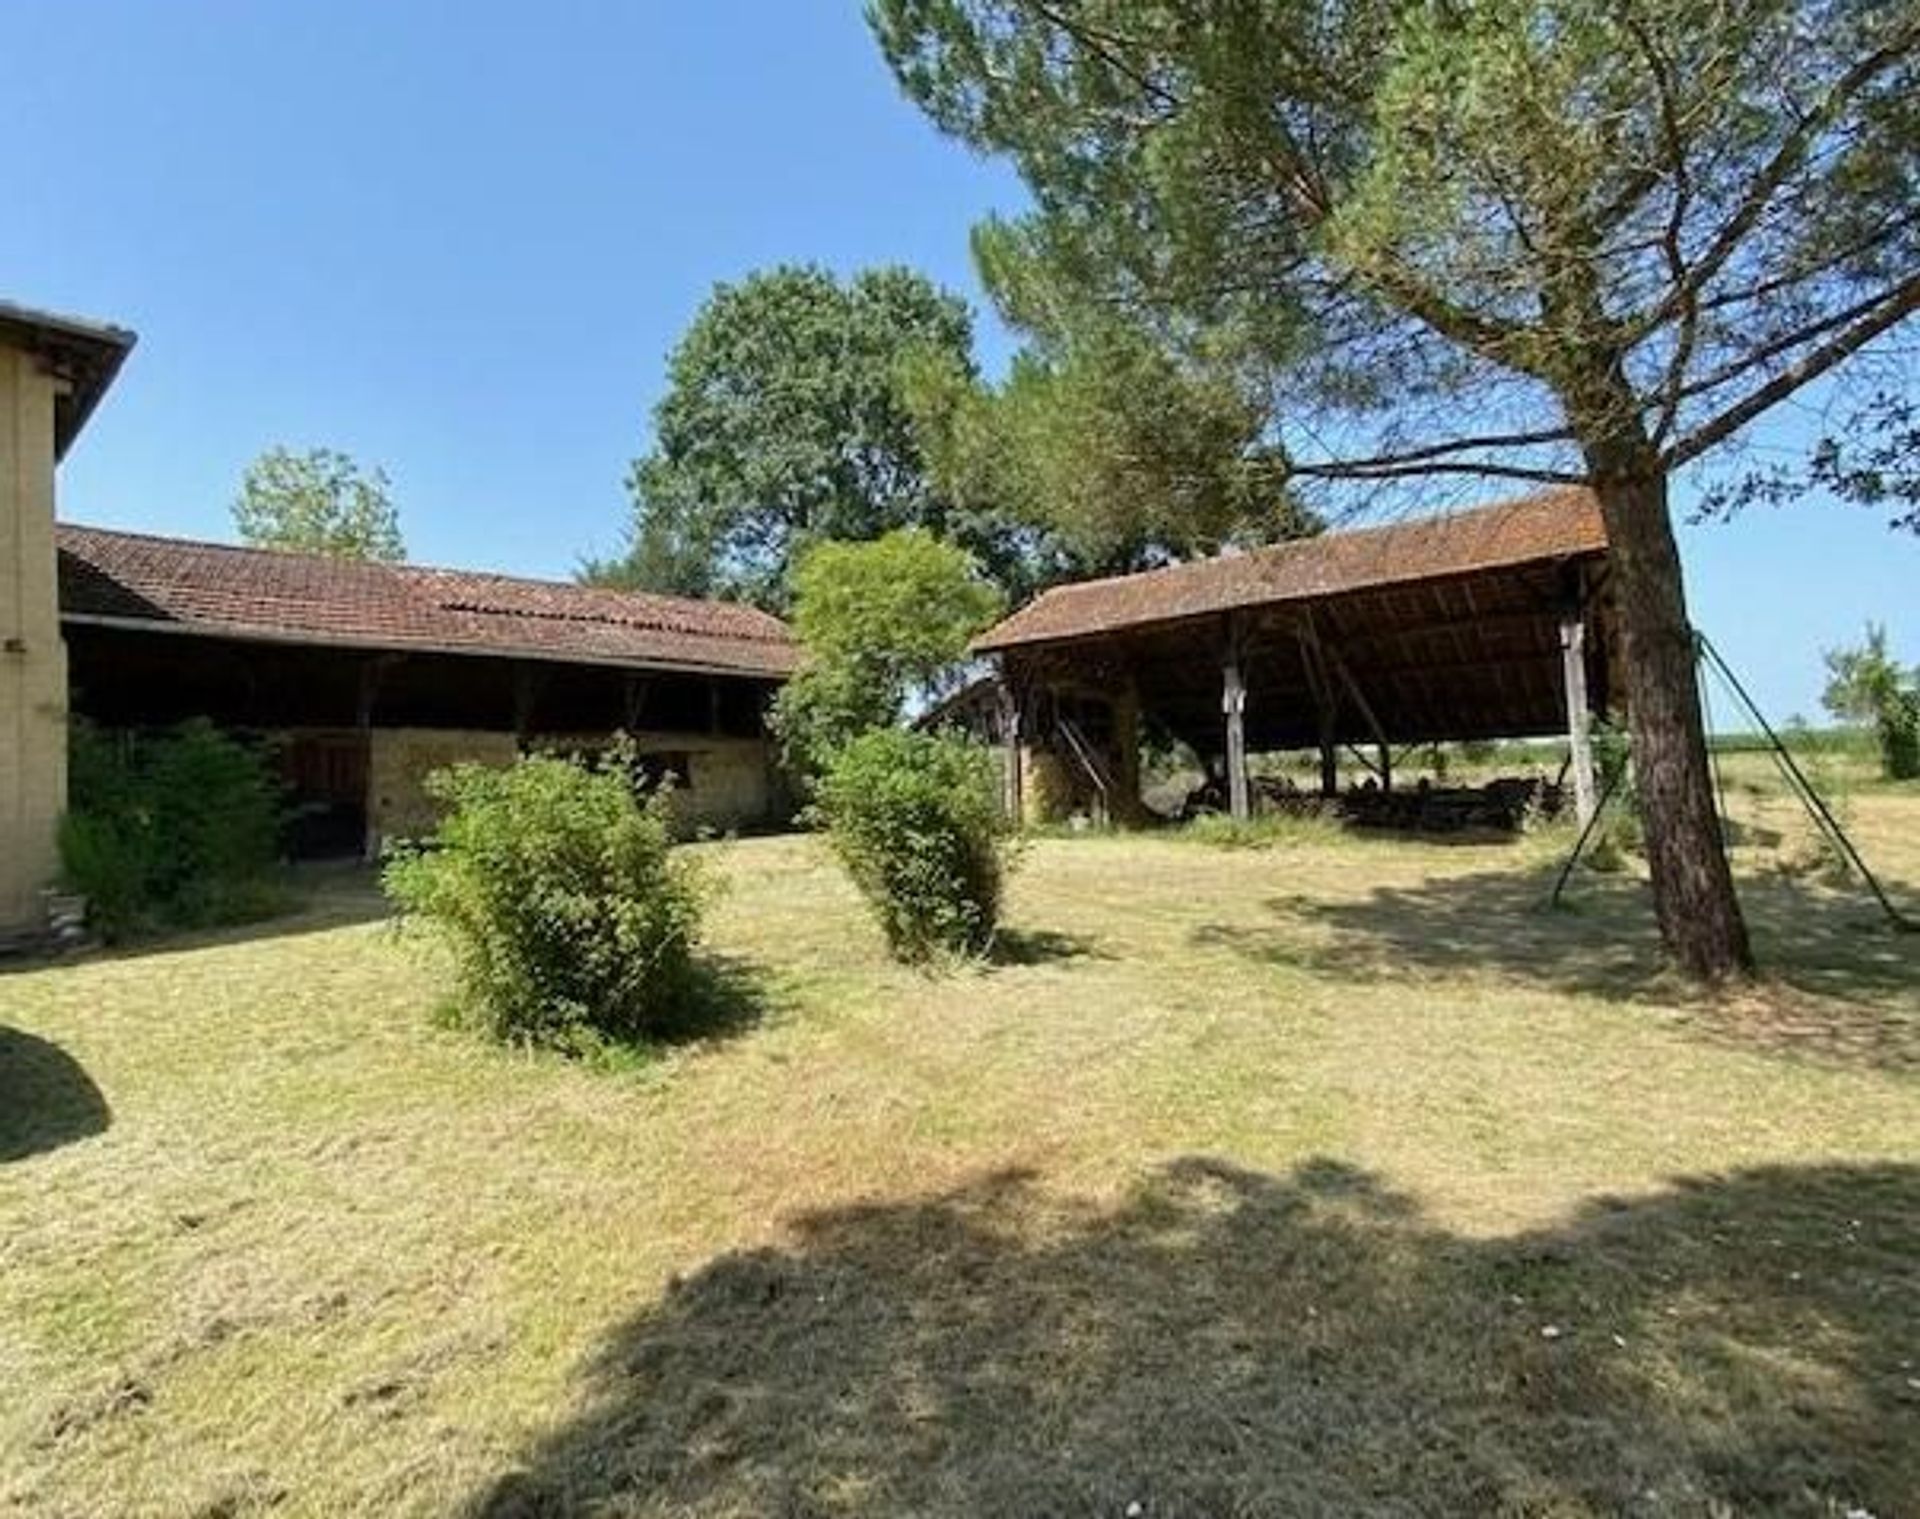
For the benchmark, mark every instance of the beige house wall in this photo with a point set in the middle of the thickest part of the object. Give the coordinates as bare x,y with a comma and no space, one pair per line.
33,664
730,779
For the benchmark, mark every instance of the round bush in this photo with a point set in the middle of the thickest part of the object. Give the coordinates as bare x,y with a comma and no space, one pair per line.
916,821
571,918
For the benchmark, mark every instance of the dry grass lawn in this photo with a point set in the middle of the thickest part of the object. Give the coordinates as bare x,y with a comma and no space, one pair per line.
1332,1177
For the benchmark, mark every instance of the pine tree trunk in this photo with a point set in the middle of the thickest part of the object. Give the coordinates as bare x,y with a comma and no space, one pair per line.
1693,895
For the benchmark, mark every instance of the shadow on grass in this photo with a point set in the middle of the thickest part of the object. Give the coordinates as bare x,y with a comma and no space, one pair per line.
1838,983
1042,946
46,1098
318,898
730,996
1226,1342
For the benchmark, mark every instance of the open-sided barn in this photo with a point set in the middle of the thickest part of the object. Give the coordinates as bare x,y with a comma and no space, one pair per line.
1489,623
365,677
369,676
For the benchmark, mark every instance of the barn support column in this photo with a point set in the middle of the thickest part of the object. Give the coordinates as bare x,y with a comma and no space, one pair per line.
1325,705
526,689
1383,766
1010,747
365,699
1573,668
633,702
1233,702
1128,810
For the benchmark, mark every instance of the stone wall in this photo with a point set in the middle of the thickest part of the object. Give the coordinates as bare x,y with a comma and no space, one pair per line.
399,760
730,781
729,784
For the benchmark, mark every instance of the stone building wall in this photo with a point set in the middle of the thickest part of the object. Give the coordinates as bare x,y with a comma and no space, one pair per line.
729,781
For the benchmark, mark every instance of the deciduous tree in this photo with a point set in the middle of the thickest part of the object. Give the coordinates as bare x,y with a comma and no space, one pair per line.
882,622
783,425
318,502
1868,685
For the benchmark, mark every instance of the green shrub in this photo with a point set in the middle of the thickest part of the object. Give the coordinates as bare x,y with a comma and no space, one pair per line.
916,821
571,918
819,710
1898,725
176,829
105,859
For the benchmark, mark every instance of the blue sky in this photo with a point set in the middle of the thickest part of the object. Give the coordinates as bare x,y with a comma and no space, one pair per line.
458,240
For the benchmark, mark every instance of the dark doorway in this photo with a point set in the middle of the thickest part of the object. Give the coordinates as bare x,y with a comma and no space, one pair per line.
326,779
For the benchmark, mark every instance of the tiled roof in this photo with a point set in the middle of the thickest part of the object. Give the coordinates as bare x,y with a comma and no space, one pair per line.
1555,524
257,593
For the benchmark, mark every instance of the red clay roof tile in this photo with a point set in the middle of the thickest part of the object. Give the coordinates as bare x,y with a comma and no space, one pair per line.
239,592
1553,524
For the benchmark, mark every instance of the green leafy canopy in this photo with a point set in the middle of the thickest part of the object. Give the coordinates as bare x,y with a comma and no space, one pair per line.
881,622
783,425
318,502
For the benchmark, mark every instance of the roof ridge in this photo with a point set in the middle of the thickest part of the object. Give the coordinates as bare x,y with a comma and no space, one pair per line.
661,624
262,550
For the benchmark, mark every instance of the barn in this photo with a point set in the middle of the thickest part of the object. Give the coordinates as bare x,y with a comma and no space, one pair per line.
1490,623
367,677
359,679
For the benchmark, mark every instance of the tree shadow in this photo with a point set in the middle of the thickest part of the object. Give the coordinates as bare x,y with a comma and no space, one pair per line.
46,1098
1227,1342
1838,984
1042,946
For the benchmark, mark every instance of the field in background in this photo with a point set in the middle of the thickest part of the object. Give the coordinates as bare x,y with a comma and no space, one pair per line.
1327,1176
1838,760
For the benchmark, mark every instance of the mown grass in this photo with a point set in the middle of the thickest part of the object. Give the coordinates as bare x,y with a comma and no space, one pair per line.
1333,1176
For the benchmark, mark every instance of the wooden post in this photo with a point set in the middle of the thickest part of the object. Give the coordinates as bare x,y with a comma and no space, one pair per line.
524,685
1384,767
1326,707
1233,702
1128,810
365,699
1010,747
633,701
1573,669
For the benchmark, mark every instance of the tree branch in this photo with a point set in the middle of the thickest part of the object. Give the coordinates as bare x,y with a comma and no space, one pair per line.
1786,161
1463,445
1670,248
1786,343
1901,304
1374,470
